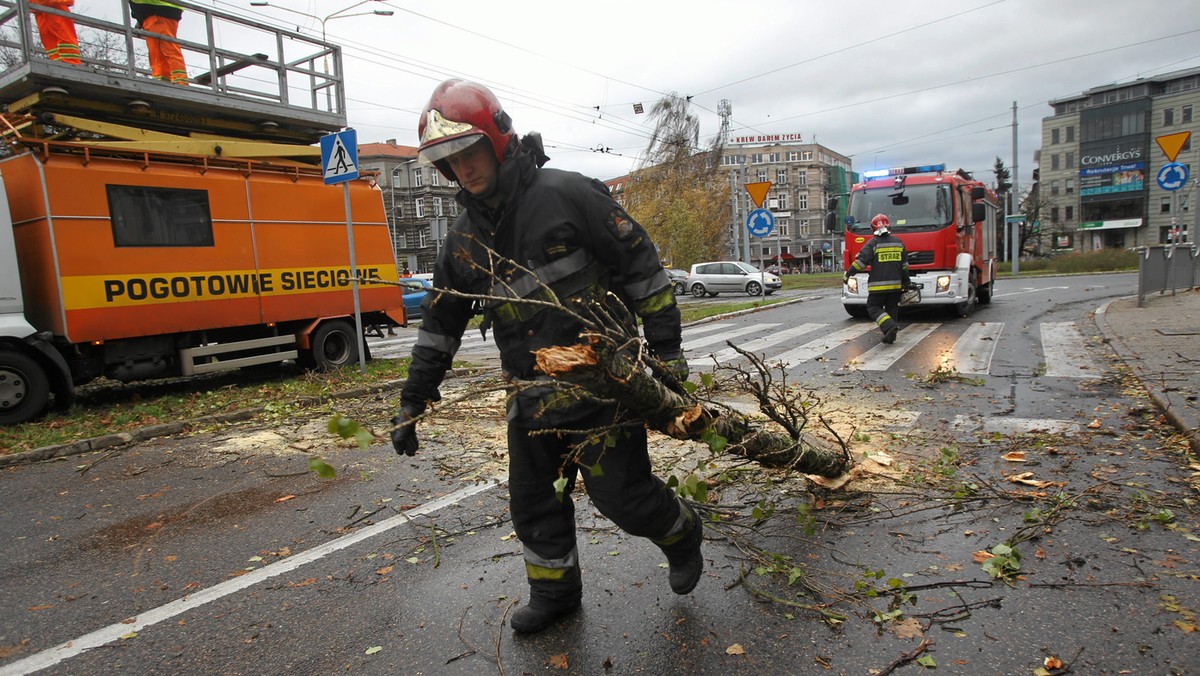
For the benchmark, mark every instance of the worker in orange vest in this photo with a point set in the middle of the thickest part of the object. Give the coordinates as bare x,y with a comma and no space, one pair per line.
166,58
58,32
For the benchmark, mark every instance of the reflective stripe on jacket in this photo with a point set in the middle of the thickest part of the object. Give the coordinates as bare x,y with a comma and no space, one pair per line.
557,237
888,260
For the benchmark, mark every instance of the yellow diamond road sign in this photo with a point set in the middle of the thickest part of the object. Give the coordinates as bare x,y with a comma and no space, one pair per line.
1171,144
758,192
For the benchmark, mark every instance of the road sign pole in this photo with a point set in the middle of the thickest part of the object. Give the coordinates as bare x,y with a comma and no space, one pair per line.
358,327
339,164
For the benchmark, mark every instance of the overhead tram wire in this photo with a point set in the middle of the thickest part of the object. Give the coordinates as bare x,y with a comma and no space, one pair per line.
1006,113
364,52
980,78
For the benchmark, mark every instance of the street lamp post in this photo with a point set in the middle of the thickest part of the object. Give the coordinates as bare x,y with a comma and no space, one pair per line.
340,14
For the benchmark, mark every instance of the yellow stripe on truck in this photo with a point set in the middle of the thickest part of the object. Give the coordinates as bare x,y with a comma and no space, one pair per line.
103,291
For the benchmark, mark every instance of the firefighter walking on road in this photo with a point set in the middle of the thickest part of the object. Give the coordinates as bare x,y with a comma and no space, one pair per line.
888,279
529,235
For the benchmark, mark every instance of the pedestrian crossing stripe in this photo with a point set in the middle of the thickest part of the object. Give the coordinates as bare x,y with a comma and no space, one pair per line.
1066,352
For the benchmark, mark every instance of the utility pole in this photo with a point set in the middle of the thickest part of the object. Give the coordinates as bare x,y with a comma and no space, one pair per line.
1016,199
725,111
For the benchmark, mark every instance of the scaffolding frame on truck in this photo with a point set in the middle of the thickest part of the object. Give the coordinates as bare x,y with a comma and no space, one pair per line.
253,115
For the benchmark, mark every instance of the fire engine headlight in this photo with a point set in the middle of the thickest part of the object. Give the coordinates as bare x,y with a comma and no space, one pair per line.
852,284
943,283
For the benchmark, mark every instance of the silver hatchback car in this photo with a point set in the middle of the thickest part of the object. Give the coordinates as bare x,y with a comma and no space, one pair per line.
733,276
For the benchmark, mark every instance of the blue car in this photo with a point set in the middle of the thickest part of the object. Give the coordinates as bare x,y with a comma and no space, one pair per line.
414,292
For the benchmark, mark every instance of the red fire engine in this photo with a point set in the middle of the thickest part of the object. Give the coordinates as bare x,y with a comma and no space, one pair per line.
948,224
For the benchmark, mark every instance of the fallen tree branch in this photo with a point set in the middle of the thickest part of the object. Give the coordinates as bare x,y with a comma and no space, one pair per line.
598,366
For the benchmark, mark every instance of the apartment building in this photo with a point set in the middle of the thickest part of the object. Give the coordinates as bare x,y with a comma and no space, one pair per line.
419,202
1099,161
803,176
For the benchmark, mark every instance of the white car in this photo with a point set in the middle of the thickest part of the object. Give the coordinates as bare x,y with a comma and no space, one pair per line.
733,276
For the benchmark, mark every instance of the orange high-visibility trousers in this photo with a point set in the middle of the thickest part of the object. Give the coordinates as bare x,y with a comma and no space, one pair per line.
58,32
166,58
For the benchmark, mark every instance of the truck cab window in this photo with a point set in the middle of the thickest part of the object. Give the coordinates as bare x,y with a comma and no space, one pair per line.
144,216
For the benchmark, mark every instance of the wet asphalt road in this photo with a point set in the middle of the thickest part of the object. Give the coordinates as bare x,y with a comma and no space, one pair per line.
216,552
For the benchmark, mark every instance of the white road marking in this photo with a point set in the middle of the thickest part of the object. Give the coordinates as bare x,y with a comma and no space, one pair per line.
1066,352
882,356
65,651
815,348
766,341
973,351
1008,426
731,333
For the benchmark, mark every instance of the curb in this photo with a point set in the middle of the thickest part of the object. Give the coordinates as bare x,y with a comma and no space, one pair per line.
1160,398
165,429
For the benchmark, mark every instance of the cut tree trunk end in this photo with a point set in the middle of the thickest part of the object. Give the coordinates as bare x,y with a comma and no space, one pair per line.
614,374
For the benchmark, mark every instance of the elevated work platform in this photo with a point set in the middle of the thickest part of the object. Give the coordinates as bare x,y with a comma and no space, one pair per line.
278,86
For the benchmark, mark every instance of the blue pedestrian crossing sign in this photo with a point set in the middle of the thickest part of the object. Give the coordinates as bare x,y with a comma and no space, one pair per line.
760,222
339,156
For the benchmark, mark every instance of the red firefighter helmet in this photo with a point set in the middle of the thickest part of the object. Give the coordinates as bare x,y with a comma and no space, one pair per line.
880,224
458,114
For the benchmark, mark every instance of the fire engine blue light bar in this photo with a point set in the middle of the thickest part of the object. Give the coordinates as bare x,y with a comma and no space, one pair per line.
897,171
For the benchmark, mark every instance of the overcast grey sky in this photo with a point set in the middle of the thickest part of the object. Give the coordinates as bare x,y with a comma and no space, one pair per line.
886,83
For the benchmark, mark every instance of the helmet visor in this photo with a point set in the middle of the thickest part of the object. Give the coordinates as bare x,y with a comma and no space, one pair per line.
443,149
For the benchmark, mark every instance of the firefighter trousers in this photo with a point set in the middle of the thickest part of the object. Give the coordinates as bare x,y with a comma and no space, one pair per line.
883,308
619,481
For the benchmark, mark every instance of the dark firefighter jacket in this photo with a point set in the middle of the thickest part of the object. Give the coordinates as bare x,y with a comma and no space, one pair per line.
889,264
568,231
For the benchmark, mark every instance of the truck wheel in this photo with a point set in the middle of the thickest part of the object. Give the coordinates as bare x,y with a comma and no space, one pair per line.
24,388
754,289
985,293
856,311
333,345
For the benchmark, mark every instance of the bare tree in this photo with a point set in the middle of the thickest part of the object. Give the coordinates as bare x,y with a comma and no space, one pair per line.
678,192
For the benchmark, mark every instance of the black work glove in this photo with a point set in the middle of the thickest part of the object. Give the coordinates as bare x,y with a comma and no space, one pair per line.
677,370
404,437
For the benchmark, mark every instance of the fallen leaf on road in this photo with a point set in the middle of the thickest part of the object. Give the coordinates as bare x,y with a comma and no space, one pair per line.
373,649
1014,456
44,606
285,498
1027,479
558,661
908,628
385,570
735,649
981,556
1095,424
302,583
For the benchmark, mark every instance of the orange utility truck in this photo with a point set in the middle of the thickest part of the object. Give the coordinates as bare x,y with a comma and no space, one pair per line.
149,230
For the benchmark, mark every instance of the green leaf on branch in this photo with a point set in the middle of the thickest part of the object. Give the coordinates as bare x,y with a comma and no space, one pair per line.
716,442
560,487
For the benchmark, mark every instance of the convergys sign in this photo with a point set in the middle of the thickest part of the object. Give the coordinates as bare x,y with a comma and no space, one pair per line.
1115,156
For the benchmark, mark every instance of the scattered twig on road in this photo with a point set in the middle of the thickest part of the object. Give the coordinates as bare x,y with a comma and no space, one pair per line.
907,657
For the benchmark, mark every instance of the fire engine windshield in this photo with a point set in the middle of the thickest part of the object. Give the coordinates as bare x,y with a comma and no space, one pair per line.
913,208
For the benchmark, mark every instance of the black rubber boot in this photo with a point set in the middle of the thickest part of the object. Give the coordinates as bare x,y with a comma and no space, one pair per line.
683,553
889,336
549,602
